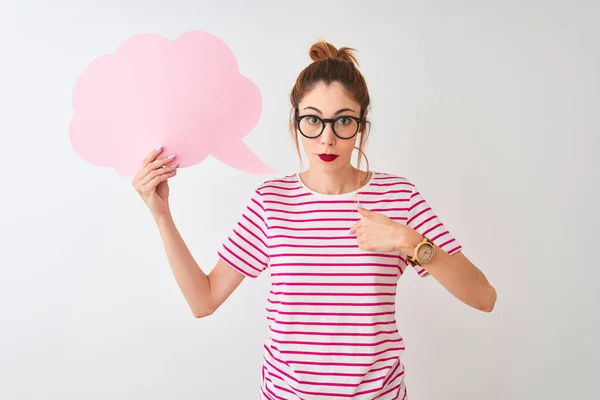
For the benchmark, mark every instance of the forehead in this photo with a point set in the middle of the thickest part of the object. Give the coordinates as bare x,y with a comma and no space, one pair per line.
329,98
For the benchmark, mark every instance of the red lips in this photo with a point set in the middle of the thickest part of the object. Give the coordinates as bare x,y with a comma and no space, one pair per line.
328,157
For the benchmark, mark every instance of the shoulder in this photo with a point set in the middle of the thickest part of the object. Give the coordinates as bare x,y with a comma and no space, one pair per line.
388,179
391,187
285,182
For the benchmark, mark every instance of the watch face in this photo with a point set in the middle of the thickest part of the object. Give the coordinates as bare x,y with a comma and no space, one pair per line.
425,253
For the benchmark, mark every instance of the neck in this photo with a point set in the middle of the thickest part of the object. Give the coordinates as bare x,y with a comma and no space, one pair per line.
336,182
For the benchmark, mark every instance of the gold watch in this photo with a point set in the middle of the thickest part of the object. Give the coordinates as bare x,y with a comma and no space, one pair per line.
424,252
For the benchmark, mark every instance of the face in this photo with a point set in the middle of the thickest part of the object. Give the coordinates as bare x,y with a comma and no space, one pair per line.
328,152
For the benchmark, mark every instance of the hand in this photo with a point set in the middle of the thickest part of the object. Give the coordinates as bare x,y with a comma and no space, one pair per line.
151,183
376,232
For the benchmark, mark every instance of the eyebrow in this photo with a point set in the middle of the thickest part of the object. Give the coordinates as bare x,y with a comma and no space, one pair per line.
336,113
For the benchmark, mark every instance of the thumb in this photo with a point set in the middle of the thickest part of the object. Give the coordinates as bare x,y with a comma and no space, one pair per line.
361,210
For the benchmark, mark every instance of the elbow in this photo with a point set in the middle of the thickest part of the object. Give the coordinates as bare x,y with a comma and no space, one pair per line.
487,308
203,311
489,300
201,314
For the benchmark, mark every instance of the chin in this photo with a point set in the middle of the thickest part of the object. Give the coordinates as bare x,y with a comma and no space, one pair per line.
329,166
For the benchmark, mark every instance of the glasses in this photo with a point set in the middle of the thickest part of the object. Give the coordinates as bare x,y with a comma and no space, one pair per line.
312,126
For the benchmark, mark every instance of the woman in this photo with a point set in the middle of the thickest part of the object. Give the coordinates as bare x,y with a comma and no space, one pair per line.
336,239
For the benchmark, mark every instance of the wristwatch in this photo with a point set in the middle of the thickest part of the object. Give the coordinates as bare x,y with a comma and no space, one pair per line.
424,252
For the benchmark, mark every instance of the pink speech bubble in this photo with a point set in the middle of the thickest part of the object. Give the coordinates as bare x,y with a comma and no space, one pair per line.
186,95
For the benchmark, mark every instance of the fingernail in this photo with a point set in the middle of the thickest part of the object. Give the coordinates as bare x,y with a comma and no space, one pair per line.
158,148
171,156
174,165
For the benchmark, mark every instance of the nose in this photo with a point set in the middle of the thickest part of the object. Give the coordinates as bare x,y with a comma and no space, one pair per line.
328,137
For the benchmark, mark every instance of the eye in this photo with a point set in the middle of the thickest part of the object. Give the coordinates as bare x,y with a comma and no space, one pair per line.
312,120
344,121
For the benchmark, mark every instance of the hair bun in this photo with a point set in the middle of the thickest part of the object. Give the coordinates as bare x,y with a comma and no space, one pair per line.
323,50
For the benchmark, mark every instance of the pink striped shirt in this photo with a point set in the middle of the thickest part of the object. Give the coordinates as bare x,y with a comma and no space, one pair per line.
331,308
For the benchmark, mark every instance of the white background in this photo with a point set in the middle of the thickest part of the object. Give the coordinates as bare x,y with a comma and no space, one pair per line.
491,108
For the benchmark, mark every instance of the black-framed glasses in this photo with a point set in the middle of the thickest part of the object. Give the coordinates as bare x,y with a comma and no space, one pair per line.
312,126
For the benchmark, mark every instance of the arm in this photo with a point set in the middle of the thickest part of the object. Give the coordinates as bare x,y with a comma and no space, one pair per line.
455,272
377,232
203,293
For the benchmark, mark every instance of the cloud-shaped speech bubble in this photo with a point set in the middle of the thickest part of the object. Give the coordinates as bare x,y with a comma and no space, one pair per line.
187,95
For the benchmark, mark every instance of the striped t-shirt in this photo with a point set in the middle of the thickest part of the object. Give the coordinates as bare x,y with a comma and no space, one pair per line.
331,307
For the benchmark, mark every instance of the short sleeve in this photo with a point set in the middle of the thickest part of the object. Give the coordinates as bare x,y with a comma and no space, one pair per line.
246,248
423,219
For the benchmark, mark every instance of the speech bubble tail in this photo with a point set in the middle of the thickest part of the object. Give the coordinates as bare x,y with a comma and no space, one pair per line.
238,155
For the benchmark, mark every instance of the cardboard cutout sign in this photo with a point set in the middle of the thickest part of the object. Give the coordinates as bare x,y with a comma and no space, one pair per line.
186,95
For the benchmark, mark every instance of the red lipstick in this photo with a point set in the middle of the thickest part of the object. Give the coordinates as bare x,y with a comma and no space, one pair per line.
327,157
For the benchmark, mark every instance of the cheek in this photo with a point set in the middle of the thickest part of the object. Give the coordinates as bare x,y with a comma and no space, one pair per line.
307,144
347,147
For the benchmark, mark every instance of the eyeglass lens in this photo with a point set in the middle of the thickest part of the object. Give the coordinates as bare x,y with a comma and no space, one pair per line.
312,126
